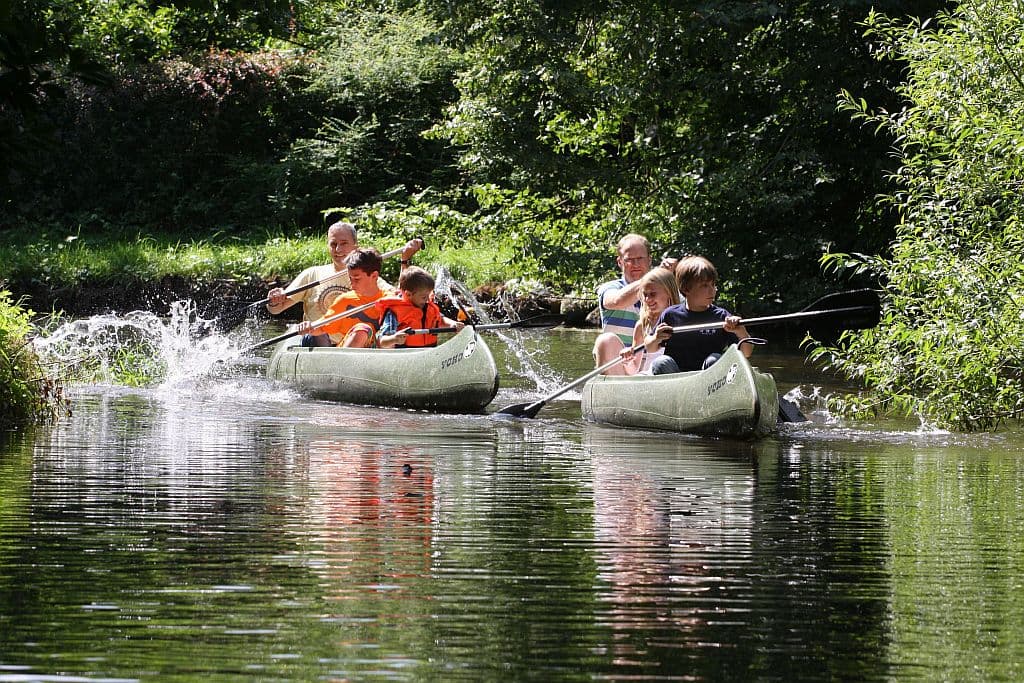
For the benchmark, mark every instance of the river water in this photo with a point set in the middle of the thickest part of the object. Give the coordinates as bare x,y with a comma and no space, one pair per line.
221,527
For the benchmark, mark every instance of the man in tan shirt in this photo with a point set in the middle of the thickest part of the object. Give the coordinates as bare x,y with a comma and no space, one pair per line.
341,241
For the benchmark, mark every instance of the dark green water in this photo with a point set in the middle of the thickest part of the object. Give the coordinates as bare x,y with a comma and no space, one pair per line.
227,529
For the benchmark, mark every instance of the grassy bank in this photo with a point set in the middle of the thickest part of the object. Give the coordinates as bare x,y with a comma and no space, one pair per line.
79,273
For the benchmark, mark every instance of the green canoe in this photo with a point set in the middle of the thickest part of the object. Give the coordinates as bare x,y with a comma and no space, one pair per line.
459,375
731,398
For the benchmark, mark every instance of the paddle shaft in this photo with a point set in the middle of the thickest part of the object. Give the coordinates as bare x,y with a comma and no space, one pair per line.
311,285
313,325
441,330
535,322
531,409
772,318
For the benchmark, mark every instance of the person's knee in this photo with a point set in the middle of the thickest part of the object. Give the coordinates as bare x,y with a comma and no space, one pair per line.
664,365
606,346
316,340
358,337
606,340
711,360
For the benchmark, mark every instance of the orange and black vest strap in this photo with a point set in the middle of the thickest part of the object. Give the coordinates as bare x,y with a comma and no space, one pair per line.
410,316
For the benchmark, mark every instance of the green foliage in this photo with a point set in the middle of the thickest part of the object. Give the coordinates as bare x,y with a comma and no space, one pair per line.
39,42
453,238
721,117
128,31
53,261
383,80
549,128
56,260
28,395
950,345
175,145
224,140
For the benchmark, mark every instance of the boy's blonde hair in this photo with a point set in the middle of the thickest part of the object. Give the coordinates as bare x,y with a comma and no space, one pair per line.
693,269
662,277
414,278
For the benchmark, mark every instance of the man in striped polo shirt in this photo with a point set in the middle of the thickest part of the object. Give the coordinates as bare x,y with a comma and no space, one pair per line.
619,300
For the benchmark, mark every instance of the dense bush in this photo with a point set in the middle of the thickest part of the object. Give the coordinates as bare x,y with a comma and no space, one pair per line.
173,145
28,394
710,128
951,345
382,79
228,141
713,126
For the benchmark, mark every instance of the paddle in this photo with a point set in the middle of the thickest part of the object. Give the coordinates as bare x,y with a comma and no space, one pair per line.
315,324
311,285
236,315
531,409
535,323
858,309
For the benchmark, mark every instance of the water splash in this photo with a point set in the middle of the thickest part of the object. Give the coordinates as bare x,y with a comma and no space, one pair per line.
813,404
525,352
141,348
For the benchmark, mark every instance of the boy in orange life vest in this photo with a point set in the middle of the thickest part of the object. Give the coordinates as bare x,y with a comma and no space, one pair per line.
359,329
413,310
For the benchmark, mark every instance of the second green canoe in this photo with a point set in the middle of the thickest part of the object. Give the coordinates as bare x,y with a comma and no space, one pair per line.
731,398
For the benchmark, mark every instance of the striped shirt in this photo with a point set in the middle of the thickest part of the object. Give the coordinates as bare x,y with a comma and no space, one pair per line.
621,322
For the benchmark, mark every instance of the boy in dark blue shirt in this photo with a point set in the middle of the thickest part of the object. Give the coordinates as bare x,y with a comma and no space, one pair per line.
699,349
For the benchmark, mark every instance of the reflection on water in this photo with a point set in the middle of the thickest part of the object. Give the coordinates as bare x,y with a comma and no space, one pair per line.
225,527
662,527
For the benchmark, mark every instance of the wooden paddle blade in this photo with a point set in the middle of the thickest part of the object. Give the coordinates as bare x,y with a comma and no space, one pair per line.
521,410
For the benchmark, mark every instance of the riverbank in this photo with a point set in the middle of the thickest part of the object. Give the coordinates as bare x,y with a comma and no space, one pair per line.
82,275
29,392
221,298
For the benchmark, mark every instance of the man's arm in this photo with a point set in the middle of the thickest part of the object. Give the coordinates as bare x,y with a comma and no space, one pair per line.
411,247
279,302
622,297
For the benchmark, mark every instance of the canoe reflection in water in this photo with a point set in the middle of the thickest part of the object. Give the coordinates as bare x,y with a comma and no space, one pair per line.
665,522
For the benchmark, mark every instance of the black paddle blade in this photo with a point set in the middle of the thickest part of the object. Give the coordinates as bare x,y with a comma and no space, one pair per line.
856,309
521,410
539,321
827,318
789,411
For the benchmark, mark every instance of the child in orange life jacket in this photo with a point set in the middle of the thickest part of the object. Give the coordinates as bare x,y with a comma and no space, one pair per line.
358,329
415,309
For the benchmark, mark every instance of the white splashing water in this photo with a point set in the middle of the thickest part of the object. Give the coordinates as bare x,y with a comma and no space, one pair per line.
813,404
525,352
141,347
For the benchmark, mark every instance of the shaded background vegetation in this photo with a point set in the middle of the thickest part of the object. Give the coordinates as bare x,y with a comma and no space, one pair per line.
552,128
525,138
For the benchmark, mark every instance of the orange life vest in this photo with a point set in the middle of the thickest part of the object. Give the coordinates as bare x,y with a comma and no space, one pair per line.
411,316
351,300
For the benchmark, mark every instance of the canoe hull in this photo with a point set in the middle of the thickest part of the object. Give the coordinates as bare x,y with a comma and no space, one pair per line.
457,376
731,398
